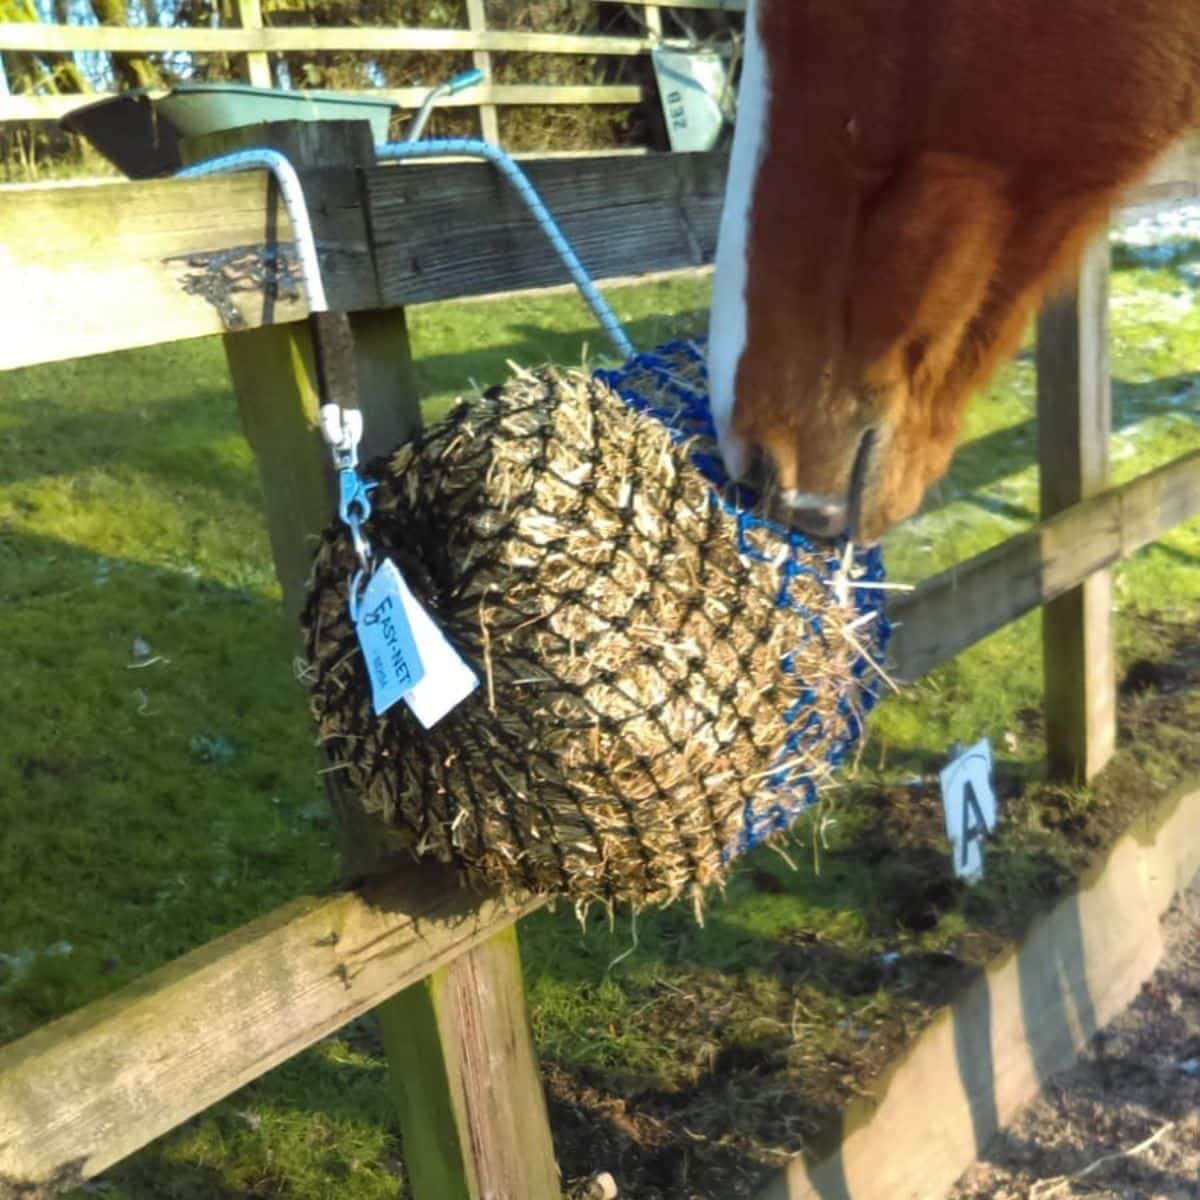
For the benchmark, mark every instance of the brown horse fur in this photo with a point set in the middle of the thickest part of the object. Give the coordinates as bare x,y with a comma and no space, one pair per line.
931,168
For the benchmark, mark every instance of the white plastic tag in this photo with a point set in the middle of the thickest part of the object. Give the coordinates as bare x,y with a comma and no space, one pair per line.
386,637
408,657
970,805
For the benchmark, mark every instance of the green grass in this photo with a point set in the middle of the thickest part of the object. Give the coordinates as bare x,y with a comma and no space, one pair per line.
150,805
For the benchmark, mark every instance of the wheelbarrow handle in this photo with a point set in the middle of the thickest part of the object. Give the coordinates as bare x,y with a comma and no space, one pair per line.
464,80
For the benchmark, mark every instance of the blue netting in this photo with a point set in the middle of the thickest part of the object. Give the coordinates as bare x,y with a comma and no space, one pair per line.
678,398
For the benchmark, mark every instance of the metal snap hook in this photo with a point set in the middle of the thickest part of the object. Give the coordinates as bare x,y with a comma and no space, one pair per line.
358,589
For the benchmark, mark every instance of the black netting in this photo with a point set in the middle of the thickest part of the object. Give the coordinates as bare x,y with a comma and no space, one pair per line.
637,719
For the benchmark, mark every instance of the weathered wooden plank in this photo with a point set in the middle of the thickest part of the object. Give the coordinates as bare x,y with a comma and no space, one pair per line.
332,193
133,264
1074,431
1174,177
253,38
51,108
1024,1018
88,270
953,610
294,6
459,1044
462,233
91,1088
517,94
465,232
465,1072
1181,162
280,424
734,6
460,1052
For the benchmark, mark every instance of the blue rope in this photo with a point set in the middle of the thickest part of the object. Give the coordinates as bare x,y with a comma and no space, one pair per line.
473,148
293,194
688,417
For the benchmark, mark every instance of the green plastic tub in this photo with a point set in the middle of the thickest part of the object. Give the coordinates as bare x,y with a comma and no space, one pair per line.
139,131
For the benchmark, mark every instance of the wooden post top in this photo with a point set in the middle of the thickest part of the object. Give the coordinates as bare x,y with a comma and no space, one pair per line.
307,144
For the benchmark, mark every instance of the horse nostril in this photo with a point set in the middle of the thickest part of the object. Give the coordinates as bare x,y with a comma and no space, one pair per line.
756,473
858,480
820,516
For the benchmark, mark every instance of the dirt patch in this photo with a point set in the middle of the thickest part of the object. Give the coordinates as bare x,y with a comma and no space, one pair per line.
1124,1123
770,1056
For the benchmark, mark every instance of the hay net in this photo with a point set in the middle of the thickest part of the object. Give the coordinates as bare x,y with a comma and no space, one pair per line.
667,678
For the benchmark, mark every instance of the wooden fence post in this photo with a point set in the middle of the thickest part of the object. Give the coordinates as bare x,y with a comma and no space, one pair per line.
1074,427
472,1111
489,123
258,66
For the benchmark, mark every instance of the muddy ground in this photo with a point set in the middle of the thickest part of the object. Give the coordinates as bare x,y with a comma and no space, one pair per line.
1124,1123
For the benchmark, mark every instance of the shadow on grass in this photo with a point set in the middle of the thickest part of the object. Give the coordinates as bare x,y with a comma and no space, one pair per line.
64,423
1175,554
127,844
172,440
985,460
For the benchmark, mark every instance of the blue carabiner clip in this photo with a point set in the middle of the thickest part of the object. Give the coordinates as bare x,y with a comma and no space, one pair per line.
354,497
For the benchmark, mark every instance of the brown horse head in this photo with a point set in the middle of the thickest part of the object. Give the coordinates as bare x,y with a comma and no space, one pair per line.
908,178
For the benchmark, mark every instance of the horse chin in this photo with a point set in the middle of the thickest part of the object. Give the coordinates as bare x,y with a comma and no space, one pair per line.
893,494
877,516
875,522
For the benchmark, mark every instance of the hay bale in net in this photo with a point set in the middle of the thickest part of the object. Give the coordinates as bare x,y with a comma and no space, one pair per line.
666,677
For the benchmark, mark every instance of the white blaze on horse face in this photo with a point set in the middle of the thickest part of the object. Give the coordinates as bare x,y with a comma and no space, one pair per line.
727,321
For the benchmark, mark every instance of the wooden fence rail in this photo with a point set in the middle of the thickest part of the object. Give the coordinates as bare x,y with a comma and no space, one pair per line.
255,40
440,232
951,611
85,1091
52,108
304,39
89,1089
448,231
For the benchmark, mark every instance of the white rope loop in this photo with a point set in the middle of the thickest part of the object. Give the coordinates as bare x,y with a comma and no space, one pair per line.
290,189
